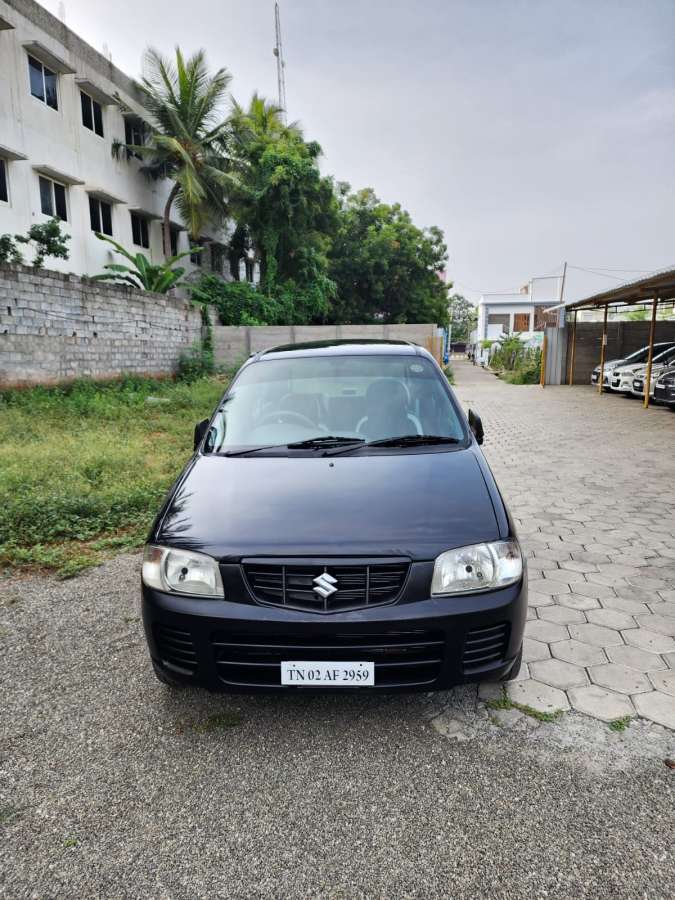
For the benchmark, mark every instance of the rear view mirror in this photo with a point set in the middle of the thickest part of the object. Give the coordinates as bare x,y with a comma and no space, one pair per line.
476,426
200,430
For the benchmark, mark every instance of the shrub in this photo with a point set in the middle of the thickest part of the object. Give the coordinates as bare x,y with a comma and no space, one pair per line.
47,240
237,302
449,374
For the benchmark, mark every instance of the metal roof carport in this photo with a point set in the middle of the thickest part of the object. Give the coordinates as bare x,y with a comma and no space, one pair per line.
656,288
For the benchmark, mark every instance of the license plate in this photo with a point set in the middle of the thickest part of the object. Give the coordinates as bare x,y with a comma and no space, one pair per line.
301,673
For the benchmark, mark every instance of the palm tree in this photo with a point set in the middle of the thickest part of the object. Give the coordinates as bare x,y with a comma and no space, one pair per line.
187,137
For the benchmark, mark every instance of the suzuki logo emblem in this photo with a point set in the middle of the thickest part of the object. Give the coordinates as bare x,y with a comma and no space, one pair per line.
325,585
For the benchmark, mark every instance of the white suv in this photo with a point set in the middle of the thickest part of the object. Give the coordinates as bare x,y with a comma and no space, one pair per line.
620,373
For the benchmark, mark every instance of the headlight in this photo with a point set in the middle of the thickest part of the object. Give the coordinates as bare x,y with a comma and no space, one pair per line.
477,568
181,572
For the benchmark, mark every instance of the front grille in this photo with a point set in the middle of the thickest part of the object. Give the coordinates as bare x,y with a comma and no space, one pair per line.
485,646
293,584
176,648
402,658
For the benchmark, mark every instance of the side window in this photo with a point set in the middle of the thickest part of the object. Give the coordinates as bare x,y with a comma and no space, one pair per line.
53,199
4,190
42,83
139,231
92,114
100,216
134,133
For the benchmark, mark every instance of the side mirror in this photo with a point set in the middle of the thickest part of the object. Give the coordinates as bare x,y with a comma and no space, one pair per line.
476,425
200,430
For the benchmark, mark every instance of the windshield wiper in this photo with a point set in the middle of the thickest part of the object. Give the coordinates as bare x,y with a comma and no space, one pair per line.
324,440
404,440
316,443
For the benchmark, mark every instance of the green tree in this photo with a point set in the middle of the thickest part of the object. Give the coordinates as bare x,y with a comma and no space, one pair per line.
385,267
284,206
187,137
463,317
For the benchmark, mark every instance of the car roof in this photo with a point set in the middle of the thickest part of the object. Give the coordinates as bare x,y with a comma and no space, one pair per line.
342,347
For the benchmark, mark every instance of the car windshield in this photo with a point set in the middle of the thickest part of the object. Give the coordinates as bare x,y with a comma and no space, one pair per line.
276,402
643,354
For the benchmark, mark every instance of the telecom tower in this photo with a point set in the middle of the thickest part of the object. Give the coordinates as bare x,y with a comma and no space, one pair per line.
281,65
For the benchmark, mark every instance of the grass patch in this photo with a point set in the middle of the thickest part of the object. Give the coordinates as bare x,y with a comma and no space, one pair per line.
505,702
215,722
71,842
84,467
620,724
8,814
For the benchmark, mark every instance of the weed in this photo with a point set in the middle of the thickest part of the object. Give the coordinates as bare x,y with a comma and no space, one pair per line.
71,842
620,724
218,721
505,702
8,814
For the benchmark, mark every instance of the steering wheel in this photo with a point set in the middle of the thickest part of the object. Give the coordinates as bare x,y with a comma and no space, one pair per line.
278,416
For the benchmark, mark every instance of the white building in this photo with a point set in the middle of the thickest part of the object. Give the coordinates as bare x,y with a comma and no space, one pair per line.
521,312
62,104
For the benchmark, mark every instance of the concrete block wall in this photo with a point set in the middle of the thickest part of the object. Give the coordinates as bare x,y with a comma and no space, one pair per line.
55,327
233,344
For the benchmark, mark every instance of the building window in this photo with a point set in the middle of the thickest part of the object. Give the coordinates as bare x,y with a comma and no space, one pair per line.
100,216
173,235
502,319
92,114
4,192
196,258
521,321
134,133
42,83
139,231
53,199
543,319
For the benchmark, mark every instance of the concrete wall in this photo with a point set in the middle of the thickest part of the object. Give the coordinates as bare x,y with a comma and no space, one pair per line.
54,327
622,338
34,135
233,344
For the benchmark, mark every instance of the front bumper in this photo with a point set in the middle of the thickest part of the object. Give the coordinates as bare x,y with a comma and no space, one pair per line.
428,644
665,393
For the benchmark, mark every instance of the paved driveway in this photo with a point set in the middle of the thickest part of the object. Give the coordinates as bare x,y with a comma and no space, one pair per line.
590,482
112,786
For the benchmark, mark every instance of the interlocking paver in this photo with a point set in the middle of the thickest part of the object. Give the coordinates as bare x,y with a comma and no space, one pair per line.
660,624
597,635
559,674
658,707
578,653
620,678
632,607
590,589
641,660
610,618
539,696
534,650
600,703
662,681
548,587
576,601
546,631
561,615
601,550
649,640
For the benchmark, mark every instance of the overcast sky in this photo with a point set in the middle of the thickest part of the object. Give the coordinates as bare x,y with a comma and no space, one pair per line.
531,131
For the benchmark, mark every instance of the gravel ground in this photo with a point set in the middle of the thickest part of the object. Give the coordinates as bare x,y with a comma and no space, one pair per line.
114,786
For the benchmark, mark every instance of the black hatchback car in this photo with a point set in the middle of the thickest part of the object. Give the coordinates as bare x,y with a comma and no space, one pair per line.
336,527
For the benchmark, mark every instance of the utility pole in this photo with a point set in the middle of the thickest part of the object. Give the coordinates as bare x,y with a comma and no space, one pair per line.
281,65
561,312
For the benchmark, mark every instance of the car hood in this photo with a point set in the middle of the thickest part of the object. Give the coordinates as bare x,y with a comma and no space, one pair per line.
404,504
608,364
